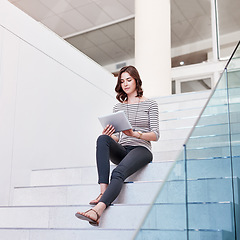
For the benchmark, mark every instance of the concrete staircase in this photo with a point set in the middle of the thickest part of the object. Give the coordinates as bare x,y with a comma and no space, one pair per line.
46,208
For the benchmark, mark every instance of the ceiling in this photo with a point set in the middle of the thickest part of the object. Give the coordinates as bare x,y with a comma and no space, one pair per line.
104,29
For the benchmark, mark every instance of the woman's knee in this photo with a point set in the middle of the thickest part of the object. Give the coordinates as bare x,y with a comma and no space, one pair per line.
118,173
103,139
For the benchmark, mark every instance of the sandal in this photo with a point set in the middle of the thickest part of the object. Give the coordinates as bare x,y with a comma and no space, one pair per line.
93,222
96,201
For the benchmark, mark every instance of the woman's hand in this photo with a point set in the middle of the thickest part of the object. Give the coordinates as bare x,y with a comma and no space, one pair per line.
129,133
149,136
108,130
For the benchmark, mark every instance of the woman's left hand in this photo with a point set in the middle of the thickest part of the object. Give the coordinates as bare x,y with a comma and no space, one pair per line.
149,136
129,132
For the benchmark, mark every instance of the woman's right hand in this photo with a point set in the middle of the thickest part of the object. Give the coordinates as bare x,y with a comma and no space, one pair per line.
108,130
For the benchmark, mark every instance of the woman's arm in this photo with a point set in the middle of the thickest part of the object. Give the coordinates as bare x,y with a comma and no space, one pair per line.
154,119
149,136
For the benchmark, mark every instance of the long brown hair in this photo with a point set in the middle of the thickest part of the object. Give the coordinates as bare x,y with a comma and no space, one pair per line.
133,72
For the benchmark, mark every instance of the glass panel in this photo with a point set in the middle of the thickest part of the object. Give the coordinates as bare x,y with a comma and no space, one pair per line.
209,168
191,32
167,215
200,198
234,108
229,26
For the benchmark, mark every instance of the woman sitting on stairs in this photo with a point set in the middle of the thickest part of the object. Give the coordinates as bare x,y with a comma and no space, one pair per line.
130,150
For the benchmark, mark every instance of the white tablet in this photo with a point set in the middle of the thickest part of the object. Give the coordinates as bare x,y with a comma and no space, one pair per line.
118,120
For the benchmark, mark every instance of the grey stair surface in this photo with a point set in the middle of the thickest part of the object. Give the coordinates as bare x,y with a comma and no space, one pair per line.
88,175
83,234
75,195
196,234
45,209
178,114
165,215
62,217
65,234
201,216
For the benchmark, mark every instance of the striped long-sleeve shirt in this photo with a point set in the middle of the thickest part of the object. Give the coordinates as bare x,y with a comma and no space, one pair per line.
143,117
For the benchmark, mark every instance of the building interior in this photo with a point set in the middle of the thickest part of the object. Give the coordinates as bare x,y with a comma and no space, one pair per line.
59,60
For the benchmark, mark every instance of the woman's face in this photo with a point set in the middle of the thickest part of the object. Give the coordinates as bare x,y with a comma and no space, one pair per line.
128,83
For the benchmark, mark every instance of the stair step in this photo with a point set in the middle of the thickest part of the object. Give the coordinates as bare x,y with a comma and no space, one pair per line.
178,106
162,216
220,118
102,234
88,175
183,97
180,123
66,234
82,194
162,156
63,217
194,234
203,130
212,141
187,113
213,152
169,134
210,234
220,109
211,168
169,144
217,129
199,190
206,120
201,216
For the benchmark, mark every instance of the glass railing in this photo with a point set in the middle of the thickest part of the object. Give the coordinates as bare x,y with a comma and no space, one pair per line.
200,198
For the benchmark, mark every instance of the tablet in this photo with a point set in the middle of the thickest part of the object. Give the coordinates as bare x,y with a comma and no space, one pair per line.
118,120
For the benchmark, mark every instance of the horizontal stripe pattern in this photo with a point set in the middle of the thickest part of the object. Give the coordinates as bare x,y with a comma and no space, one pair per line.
144,117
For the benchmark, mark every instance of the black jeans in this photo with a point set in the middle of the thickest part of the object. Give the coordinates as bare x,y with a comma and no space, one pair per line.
129,160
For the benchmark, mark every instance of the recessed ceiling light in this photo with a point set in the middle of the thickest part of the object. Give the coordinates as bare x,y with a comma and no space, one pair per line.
182,63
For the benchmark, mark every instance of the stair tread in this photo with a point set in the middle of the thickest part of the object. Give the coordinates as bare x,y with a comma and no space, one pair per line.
63,234
100,234
113,218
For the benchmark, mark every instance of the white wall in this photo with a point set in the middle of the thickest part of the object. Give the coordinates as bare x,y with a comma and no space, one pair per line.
50,98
